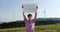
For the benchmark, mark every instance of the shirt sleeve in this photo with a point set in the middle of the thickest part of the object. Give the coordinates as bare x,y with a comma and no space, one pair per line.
34,20
25,20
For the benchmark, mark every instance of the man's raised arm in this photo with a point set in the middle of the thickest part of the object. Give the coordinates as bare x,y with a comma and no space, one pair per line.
24,16
36,12
35,16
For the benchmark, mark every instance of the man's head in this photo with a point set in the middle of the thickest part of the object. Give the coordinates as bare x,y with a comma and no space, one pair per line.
29,16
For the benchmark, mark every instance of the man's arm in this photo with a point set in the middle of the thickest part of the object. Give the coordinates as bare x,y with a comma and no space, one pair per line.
24,16
35,16
36,13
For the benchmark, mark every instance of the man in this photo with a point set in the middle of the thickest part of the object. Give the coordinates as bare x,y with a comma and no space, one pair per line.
30,23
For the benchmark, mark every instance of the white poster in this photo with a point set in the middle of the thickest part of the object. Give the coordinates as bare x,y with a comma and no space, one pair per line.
30,8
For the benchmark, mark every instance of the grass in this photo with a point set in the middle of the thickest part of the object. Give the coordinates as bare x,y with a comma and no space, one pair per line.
42,28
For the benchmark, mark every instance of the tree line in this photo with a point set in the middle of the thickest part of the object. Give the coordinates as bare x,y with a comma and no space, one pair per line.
19,24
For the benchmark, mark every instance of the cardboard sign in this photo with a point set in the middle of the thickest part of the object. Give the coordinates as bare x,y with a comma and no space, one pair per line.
30,8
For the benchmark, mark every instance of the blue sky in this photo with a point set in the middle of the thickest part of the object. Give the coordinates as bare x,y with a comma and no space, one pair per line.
8,8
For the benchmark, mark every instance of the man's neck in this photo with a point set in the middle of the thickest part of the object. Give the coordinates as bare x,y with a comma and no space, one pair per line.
29,19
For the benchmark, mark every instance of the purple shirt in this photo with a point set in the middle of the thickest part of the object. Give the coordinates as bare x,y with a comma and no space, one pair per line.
30,25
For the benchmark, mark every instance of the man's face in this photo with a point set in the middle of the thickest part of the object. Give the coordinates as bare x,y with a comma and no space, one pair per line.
29,17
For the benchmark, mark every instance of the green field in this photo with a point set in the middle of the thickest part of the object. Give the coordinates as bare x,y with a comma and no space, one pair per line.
41,28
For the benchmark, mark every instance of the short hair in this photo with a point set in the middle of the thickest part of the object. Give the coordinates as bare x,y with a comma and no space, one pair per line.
29,15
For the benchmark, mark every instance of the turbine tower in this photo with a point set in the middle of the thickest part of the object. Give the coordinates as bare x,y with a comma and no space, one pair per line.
44,13
13,17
